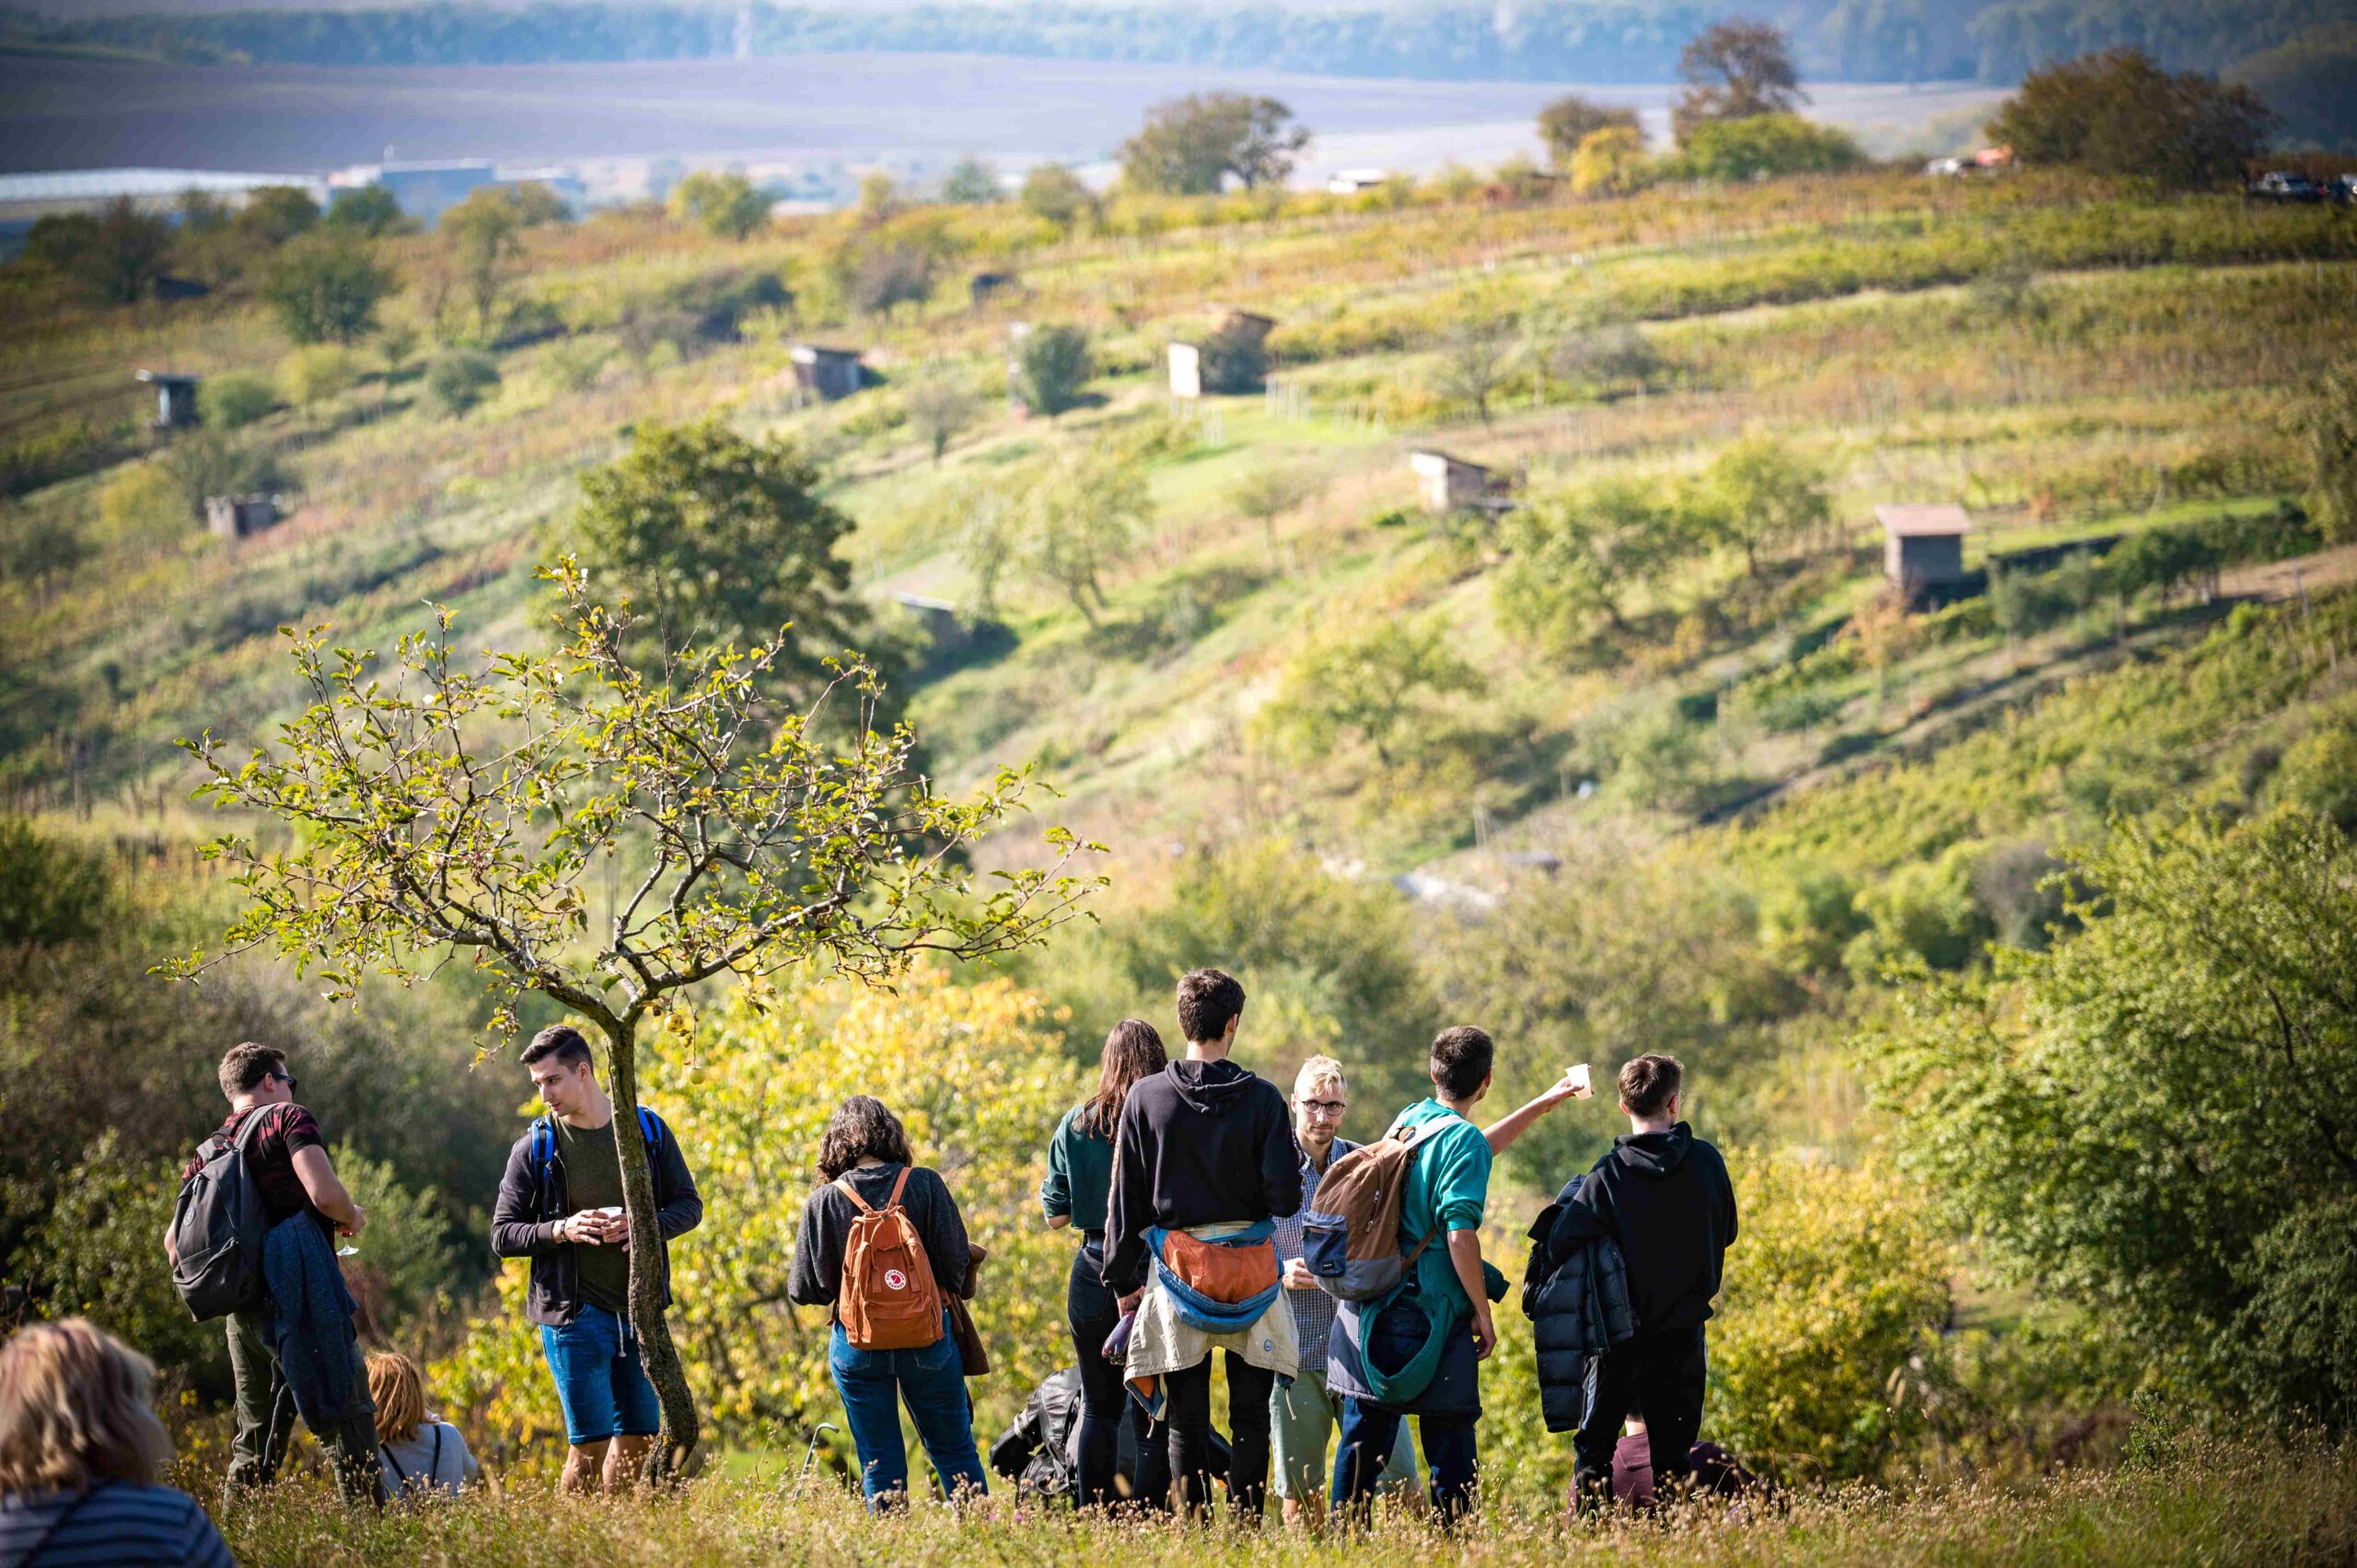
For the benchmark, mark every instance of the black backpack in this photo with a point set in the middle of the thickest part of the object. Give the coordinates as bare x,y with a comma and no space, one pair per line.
217,1229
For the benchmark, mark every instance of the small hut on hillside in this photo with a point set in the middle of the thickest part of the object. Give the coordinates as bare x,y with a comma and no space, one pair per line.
830,373
1922,550
238,517
175,398
1452,484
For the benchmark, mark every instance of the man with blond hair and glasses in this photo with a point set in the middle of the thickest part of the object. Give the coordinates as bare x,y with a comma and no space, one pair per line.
1302,1417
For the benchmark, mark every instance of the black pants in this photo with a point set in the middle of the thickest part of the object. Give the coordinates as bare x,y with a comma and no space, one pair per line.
1658,1376
1105,1403
1188,1409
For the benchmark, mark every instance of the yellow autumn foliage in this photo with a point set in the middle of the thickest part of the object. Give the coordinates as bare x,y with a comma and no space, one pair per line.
748,1088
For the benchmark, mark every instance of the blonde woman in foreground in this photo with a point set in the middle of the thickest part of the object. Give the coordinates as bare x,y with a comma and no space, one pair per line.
81,1455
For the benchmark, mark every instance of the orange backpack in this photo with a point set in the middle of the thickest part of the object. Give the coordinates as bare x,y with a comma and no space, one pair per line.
889,1301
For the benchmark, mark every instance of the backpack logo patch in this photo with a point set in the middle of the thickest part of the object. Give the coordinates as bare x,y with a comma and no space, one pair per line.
896,1280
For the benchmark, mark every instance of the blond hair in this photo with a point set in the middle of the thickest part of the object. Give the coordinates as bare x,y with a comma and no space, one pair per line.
1316,1071
74,1409
399,1392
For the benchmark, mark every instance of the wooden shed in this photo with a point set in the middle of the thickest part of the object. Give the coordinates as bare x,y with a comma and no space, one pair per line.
175,398
236,517
831,373
1922,548
1451,483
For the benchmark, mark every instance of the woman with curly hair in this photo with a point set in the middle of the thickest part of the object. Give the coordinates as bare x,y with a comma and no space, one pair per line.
865,1168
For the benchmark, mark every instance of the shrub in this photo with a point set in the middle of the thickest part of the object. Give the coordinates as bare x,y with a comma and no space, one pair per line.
1765,145
726,206
1610,162
146,504
2119,113
326,288
1052,368
1234,359
1839,1284
1570,123
235,398
312,376
1055,193
456,381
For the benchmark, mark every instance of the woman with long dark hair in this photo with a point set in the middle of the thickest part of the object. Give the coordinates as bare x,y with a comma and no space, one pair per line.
866,1167
1080,1175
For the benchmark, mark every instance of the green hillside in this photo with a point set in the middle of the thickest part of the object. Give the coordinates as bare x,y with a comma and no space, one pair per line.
1655,758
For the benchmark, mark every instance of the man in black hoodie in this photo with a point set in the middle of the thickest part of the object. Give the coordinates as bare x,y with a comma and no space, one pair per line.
1662,1196
1203,1143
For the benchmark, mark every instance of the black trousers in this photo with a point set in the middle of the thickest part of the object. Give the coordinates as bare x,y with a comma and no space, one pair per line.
1657,1376
1105,1403
1188,1409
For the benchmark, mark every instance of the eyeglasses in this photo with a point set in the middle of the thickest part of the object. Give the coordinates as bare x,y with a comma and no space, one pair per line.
287,1078
1324,1107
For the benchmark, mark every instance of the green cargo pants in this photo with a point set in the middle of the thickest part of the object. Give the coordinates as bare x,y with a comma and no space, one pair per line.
266,1419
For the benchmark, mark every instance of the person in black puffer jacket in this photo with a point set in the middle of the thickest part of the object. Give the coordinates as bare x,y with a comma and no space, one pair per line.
1663,1197
1576,1295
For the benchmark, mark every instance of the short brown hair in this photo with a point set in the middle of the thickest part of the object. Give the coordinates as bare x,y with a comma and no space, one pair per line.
1649,1082
399,1392
565,1042
1461,1060
862,1128
76,1410
247,1065
1207,1000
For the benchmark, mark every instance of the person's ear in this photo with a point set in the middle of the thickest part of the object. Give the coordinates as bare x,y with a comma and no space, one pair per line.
1234,1018
1625,1111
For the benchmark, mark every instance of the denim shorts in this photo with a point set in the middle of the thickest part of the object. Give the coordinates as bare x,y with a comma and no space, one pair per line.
598,1378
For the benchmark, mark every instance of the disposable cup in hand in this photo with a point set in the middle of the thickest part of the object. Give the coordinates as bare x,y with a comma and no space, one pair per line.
347,1252
614,1213
1578,1076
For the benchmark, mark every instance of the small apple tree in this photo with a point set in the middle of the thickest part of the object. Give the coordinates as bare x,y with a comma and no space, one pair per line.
488,806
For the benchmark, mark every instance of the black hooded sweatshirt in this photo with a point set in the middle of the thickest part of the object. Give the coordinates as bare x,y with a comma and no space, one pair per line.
1199,1143
1664,1200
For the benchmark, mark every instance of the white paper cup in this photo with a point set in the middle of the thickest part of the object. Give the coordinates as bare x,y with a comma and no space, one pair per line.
1578,1076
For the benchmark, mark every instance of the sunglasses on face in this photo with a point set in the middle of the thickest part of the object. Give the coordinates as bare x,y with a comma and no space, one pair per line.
287,1078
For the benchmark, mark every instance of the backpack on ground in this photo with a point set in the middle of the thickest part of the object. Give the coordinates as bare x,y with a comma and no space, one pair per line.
888,1299
217,1228
1349,1235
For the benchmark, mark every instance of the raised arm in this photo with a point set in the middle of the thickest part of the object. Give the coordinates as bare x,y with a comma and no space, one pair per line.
1501,1133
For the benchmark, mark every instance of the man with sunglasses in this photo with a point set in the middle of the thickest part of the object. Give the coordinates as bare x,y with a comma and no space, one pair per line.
287,1159
1303,1416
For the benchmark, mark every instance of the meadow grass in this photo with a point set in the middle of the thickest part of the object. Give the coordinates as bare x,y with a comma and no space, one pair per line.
2220,1508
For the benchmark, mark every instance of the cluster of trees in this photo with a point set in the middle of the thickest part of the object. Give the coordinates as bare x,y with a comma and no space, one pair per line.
1593,40
2119,113
1737,119
1579,557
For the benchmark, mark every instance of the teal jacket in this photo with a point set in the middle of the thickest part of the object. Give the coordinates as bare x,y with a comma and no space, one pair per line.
1080,1175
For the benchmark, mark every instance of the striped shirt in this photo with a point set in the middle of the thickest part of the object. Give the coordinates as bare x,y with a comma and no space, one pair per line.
1313,1310
113,1525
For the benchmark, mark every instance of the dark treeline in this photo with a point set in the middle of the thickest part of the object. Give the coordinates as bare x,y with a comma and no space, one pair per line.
1594,40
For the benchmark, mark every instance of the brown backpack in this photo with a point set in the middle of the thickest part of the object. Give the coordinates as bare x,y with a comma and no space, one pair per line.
889,1301
1350,1233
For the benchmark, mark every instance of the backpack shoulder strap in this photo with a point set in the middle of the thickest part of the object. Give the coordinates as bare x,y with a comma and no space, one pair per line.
650,1127
434,1465
386,1454
898,1187
842,1184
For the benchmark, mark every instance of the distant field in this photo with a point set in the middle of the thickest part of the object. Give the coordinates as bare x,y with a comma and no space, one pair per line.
911,110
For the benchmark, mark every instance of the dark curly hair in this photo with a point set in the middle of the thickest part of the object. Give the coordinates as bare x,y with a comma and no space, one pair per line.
863,1127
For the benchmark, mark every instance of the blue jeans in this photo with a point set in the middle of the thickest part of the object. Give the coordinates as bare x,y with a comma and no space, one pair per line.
599,1381
1368,1434
932,1382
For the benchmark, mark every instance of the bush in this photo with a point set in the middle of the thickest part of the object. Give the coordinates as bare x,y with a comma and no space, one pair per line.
1836,1288
1235,360
235,398
144,505
1923,912
312,376
1572,123
2119,113
1052,368
1762,146
456,381
1608,163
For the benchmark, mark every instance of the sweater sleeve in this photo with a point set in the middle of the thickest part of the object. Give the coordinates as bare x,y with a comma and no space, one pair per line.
682,1205
1280,1161
1128,1211
515,1231
816,1277
1055,1191
943,1230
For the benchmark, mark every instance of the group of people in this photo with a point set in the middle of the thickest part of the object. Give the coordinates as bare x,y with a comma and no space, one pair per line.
1195,1187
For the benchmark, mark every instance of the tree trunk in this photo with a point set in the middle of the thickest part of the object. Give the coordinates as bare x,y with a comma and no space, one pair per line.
674,1456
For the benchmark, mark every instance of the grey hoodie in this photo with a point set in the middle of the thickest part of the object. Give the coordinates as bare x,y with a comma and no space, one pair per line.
1201,1142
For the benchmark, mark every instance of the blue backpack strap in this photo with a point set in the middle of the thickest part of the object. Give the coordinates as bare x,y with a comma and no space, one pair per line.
650,1127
